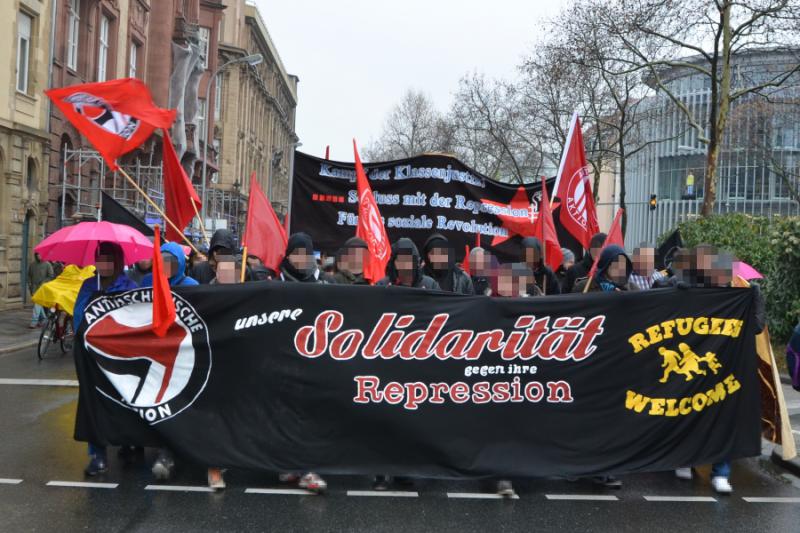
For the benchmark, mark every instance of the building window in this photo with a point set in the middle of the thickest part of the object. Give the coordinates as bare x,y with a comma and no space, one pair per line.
218,97
201,121
205,37
73,21
132,60
102,50
24,24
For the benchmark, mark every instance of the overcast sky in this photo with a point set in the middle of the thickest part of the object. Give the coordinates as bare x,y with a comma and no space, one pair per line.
356,58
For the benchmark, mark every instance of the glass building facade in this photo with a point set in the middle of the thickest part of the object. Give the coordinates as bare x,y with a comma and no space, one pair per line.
759,159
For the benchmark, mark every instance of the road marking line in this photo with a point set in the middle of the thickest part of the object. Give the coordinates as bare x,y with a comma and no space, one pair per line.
82,484
40,382
772,500
389,493
300,492
7,481
680,499
481,496
583,497
179,488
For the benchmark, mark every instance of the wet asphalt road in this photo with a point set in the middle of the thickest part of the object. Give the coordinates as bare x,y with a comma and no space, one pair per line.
37,453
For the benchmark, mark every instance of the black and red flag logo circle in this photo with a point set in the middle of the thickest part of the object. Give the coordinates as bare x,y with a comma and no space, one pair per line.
158,377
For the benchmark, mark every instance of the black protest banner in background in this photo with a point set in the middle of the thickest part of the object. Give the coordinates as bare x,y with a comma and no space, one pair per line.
348,379
418,196
113,211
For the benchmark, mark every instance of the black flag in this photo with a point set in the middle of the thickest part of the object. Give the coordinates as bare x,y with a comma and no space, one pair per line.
667,249
113,211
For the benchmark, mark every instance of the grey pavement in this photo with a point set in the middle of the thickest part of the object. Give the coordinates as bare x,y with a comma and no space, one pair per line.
14,330
41,471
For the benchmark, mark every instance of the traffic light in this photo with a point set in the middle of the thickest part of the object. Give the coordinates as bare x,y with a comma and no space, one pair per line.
653,202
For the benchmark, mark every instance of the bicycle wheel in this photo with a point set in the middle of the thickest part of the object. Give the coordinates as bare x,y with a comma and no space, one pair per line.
68,337
46,336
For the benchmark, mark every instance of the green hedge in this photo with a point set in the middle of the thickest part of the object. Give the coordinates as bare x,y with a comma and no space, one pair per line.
772,246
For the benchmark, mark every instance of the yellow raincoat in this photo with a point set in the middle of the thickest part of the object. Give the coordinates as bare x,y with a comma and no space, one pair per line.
63,290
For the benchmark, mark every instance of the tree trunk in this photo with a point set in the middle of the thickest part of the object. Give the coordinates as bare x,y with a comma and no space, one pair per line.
718,125
622,189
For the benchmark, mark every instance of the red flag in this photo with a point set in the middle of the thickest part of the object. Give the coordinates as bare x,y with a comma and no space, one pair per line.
178,192
465,262
115,116
574,188
370,226
328,152
545,230
614,236
264,236
163,306
477,239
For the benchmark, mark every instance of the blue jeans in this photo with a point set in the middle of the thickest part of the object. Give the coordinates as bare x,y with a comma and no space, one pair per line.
722,469
38,314
95,450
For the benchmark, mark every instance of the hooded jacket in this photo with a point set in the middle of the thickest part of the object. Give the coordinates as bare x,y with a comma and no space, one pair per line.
343,276
601,282
581,269
291,273
421,281
179,279
120,282
542,274
203,273
452,278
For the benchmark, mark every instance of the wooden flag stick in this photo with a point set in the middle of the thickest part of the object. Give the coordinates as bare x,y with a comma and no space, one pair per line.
202,226
244,263
158,209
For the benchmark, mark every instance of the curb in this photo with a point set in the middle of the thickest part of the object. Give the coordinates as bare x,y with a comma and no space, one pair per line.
22,345
792,465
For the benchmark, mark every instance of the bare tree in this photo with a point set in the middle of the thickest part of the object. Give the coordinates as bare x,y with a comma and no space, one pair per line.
413,126
661,38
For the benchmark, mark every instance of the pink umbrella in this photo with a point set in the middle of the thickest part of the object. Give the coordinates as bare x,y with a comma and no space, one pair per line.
745,271
77,245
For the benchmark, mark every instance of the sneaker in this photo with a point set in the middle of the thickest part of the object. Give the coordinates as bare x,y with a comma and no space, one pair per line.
96,466
312,482
215,479
609,482
504,488
684,473
163,467
721,485
381,483
288,478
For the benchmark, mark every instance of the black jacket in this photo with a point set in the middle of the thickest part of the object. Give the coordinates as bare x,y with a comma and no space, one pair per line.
421,281
452,278
577,271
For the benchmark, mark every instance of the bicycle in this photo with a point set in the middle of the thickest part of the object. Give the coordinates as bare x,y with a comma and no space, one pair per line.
57,328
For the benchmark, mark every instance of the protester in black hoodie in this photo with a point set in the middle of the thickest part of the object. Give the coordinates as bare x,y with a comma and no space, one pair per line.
299,263
349,264
581,270
222,243
543,275
440,264
403,268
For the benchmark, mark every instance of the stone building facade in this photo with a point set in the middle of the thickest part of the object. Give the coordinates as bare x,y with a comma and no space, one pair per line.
24,143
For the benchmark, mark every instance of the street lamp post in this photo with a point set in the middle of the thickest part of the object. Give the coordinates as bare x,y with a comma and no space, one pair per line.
251,60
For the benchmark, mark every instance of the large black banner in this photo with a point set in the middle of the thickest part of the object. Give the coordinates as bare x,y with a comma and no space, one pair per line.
348,379
429,193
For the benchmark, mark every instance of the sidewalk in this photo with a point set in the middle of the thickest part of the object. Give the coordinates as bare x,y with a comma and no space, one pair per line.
14,331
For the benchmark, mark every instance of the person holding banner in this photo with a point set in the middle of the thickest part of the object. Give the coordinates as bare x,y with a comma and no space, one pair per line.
581,270
109,278
349,262
515,280
174,267
222,243
567,261
645,275
440,264
613,272
483,267
404,269
299,263
543,276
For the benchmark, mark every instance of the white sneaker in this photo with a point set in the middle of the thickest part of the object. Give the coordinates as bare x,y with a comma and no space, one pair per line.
684,473
721,485
312,482
215,479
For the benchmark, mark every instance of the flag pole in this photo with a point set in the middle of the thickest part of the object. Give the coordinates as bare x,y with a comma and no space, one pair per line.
244,263
158,209
543,243
202,226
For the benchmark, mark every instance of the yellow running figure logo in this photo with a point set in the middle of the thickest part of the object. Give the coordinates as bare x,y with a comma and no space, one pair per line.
687,362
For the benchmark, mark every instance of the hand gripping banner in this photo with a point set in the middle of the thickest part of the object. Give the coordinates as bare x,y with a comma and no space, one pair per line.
349,379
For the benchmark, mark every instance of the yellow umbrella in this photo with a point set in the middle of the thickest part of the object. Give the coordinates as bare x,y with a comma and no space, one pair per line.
63,290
